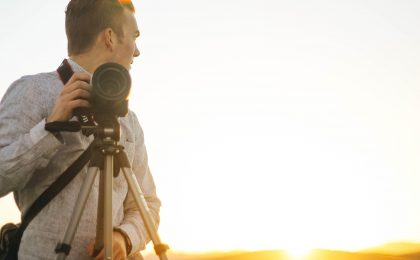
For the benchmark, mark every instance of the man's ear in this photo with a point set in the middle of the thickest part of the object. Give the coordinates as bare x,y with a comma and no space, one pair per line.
108,36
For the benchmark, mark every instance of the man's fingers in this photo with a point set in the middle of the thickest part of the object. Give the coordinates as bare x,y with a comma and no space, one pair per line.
117,251
79,76
90,249
78,103
77,81
76,94
68,88
101,255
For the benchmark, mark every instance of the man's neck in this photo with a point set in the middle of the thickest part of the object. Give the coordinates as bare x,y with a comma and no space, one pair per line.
88,61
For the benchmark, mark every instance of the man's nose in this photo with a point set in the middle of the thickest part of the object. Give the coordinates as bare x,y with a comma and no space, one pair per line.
136,52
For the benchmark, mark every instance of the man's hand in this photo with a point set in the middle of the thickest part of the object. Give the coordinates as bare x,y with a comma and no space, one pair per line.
74,94
118,248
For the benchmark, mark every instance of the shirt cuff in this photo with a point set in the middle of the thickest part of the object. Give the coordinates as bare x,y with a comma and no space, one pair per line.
38,133
132,235
128,245
49,140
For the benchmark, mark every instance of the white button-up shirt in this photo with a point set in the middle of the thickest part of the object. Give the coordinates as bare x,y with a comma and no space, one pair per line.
31,158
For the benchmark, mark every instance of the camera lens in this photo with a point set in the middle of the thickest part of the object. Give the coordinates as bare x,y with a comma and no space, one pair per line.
111,84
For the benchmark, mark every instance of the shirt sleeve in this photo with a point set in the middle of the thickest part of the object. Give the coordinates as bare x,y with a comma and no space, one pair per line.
132,223
25,145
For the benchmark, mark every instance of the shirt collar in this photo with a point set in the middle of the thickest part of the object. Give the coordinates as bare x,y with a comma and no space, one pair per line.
76,67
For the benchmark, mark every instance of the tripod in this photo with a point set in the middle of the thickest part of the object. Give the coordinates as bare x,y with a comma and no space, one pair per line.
106,152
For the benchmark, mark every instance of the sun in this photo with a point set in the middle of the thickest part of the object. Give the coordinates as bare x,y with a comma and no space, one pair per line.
298,253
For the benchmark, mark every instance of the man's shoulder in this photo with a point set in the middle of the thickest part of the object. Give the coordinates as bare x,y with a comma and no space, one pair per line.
40,81
43,77
131,125
130,120
36,85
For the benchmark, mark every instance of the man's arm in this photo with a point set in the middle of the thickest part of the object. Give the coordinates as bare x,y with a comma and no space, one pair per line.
24,144
132,224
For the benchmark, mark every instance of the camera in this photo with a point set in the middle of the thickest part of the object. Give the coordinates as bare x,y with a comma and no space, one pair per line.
111,84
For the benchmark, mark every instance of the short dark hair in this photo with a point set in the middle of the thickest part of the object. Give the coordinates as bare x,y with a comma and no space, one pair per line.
85,19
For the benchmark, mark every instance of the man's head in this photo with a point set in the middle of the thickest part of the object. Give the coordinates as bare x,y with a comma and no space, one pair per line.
108,25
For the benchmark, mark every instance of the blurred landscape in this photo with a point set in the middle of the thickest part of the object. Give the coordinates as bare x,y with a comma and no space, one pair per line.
391,251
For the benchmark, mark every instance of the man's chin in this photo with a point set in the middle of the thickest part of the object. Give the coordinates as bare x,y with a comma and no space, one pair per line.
126,66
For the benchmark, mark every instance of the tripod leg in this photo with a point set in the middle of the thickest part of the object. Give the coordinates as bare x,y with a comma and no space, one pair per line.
108,177
99,239
63,248
138,195
104,227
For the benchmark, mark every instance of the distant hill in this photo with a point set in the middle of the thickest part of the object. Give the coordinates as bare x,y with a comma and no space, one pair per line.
389,251
396,248
280,255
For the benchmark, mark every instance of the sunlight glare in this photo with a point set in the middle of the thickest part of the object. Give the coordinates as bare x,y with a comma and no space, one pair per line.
298,253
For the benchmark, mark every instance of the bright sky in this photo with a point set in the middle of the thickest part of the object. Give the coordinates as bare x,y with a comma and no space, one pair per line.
270,123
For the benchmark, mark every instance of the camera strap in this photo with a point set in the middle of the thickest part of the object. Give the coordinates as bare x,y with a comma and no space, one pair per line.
85,116
56,187
65,71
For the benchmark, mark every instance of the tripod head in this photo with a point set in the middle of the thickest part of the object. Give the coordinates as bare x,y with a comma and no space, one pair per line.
106,126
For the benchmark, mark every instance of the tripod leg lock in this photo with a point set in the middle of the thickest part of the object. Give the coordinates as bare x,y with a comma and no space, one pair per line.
63,248
161,248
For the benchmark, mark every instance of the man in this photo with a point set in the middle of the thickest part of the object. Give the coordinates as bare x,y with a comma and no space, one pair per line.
31,158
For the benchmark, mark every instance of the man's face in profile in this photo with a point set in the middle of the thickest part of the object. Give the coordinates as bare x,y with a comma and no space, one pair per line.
126,48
